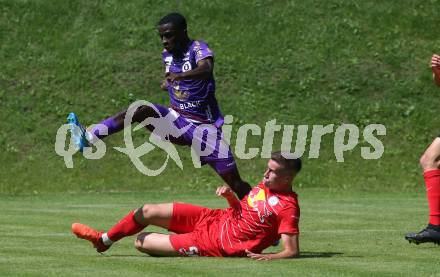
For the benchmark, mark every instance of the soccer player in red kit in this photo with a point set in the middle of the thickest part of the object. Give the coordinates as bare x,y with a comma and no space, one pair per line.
430,162
268,213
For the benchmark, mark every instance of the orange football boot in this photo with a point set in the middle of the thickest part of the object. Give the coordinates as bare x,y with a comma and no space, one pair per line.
83,231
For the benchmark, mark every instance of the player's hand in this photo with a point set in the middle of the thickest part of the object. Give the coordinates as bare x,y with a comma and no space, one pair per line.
225,191
258,257
164,84
435,66
173,77
435,61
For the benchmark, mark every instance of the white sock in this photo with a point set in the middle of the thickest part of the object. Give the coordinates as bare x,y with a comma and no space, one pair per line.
91,138
106,240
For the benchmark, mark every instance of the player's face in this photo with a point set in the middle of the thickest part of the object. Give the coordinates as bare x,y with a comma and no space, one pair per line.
170,36
275,177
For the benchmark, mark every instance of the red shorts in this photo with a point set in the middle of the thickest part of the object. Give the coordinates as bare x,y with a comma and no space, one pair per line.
192,224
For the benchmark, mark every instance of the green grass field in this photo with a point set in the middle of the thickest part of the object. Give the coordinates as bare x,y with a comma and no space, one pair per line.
343,234
299,62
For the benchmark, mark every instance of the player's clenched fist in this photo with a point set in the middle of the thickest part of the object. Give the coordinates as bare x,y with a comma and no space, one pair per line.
172,77
228,194
435,61
435,66
224,191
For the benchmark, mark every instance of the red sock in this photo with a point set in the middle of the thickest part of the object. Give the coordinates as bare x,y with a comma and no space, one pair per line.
432,182
124,228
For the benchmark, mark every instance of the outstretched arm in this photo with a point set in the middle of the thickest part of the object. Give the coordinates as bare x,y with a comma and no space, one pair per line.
435,66
291,249
226,192
203,71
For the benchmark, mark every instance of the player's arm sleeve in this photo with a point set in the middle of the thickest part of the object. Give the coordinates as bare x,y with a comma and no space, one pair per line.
202,51
205,63
288,221
166,59
167,63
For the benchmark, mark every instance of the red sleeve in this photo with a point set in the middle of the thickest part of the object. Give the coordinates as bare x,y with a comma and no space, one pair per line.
288,220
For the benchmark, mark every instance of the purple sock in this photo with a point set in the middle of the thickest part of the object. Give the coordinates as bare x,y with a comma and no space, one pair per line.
112,127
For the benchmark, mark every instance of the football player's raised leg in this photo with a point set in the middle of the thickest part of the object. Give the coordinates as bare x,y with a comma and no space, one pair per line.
155,244
431,173
115,123
222,161
155,214
135,221
131,224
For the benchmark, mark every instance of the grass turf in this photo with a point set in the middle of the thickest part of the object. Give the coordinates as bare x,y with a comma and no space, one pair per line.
300,62
342,234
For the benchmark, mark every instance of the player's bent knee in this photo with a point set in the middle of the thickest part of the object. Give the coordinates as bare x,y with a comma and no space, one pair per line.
428,161
142,214
138,244
148,211
143,112
423,161
152,210
141,242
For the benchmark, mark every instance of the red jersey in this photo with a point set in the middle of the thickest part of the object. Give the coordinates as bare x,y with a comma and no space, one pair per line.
259,221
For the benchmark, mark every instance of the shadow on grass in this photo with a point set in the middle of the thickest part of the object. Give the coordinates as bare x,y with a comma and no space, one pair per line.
124,256
306,254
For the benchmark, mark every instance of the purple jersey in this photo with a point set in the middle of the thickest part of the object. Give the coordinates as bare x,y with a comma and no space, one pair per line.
194,99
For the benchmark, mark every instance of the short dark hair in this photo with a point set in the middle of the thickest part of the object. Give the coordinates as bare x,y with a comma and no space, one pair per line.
290,164
176,19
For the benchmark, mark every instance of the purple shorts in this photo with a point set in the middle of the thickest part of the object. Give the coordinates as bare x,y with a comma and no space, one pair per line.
206,139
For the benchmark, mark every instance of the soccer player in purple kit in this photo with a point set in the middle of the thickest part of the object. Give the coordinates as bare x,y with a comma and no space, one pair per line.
189,80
